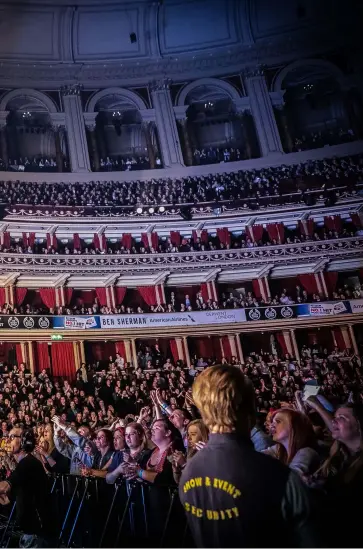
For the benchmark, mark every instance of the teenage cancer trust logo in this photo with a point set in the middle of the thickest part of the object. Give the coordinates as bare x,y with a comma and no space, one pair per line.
218,484
13,322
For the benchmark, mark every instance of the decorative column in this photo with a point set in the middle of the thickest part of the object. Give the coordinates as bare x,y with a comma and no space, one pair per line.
30,346
134,353
288,341
294,345
146,127
232,345
57,132
128,351
354,341
76,131
179,346
77,358
186,351
284,125
263,114
3,138
239,349
166,124
321,285
182,120
90,121
81,351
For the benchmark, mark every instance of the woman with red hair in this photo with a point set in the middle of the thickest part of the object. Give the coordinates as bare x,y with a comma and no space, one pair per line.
295,441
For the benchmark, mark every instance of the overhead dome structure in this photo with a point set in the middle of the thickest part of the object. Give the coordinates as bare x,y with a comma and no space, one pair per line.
100,43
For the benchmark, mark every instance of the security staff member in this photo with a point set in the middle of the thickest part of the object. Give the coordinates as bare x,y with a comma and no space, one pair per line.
28,484
234,496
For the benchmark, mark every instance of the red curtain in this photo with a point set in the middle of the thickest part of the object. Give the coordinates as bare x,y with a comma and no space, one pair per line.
120,294
331,279
255,232
175,238
356,220
63,363
42,361
306,227
203,347
148,294
96,241
76,241
47,295
25,240
31,239
203,236
49,240
20,294
7,240
103,242
308,282
339,339
145,240
2,297
174,350
19,354
204,291
226,347
224,236
276,231
120,349
154,240
333,222
87,298
101,294
126,241
256,288
281,341
55,242
68,293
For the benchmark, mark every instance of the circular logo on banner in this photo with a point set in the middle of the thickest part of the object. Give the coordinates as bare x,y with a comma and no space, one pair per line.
287,312
254,314
270,313
44,322
13,322
28,322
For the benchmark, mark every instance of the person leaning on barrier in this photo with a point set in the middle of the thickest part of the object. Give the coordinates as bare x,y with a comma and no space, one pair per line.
234,496
76,451
102,458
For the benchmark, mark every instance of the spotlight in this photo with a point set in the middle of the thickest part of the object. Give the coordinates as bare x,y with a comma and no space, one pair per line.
185,213
162,209
151,210
133,37
139,211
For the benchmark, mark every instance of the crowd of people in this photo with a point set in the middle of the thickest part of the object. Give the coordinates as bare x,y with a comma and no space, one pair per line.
35,164
214,155
148,422
317,139
127,163
265,182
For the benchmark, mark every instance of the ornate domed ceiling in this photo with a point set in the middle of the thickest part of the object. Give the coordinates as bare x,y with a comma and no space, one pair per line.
100,43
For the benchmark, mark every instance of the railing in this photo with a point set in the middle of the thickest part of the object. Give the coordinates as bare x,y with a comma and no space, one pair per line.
89,513
259,255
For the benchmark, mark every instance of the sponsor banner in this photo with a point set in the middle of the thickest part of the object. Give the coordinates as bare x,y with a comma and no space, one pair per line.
114,322
325,308
356,306
271,313
19,322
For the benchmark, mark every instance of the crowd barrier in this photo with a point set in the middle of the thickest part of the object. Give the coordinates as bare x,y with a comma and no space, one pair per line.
90,513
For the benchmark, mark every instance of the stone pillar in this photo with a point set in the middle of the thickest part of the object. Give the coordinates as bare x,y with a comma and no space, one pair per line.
57,132
147,128
166,124
82,353
186,351
284,127
76,131
263,114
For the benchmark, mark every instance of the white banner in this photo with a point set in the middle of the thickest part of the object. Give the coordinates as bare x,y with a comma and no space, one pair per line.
319,309
356,306
172,319
79,322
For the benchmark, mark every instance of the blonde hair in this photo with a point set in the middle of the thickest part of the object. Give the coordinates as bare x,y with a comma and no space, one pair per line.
225,399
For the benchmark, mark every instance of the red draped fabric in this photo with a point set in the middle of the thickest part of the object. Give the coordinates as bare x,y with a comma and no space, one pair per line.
103,242
204,291
20,294
96,241
120,292
87,297
25,240
42,361
126,241
76,241
120,349
49,240
333,222
331,279
7,240
148,294
306,227
338,336
224,236
101,294
175,238
145,240
68,293
47,295
256,288
55,242
174,350
281,341
204,347
356,220
154,240
226,347
19,354
2,297
276,231
255,232
31,239
63,362
308,282
203,236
